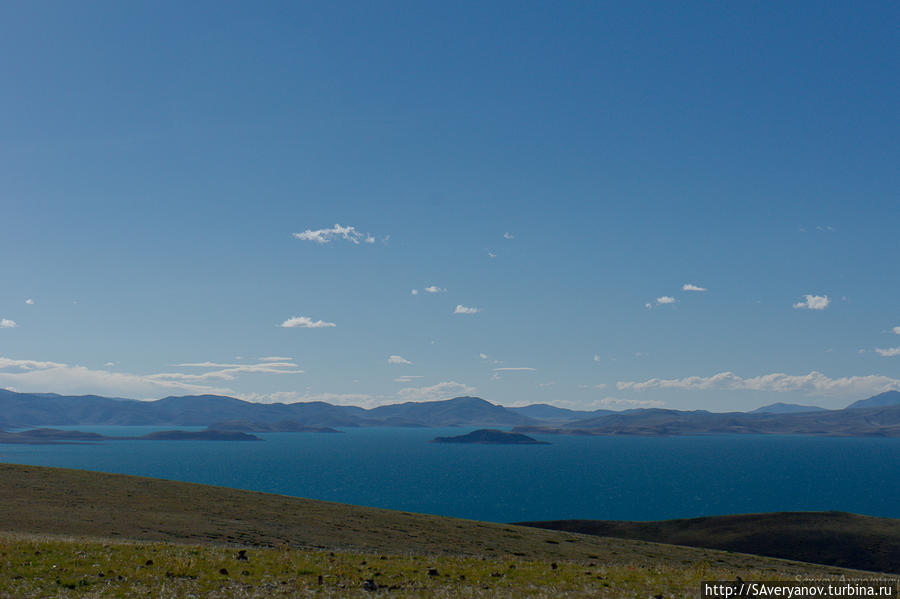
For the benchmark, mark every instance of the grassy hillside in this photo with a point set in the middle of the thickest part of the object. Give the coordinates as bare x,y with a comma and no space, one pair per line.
834,538
114,525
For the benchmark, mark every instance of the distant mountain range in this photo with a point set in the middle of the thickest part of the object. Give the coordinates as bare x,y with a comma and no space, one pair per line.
875,416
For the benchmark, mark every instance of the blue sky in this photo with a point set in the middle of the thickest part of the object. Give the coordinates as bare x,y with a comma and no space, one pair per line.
179,181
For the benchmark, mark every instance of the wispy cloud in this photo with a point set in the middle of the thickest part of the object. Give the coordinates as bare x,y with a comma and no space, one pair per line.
29,301
305,322
44,376
398,360
444,390
323,236
508,235
407,378
460,309
6,323
889,352
665,299
616,402
512,369
226,372
414,292
492,255
483,356
813,302
814,383
341,399
896,330
692,287
274,359
434,289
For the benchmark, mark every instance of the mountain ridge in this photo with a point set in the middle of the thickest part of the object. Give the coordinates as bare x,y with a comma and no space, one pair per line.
878,415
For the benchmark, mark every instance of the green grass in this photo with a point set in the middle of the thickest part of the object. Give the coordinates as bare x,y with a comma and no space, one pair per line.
45,566
69,533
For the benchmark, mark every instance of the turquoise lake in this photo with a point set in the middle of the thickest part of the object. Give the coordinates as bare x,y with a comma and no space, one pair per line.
611,478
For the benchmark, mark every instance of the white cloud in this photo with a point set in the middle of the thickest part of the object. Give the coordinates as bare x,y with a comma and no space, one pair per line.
460,309
814,383
341,399
29,301
6,323
648,305
415,292
398,360
692,287
509,369
272,359
323,236
813,302
483,356
596,358
40,377
227,372
492,255
305,322
665,299
434,289
616,402
445,390
407,378
508,236
889,352
896,330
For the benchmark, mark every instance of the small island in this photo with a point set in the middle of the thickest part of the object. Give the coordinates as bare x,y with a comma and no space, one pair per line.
487,436
284,426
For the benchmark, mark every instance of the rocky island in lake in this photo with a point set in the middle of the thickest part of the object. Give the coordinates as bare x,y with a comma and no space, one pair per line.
491,437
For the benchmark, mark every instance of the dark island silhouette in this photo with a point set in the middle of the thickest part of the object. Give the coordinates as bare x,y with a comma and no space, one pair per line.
487,436
53,436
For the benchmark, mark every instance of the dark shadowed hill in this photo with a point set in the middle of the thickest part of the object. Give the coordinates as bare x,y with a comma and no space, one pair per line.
834,538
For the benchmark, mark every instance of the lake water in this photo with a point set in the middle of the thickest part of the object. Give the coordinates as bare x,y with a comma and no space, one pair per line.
610,478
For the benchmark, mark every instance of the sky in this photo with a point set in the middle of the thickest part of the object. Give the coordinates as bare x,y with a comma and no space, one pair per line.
592,205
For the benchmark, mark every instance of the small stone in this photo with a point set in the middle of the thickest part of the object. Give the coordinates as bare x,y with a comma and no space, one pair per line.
432,572
223,572
149,562
369,585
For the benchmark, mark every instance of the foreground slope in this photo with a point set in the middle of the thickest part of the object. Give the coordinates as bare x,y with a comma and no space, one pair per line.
69,533
40,500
